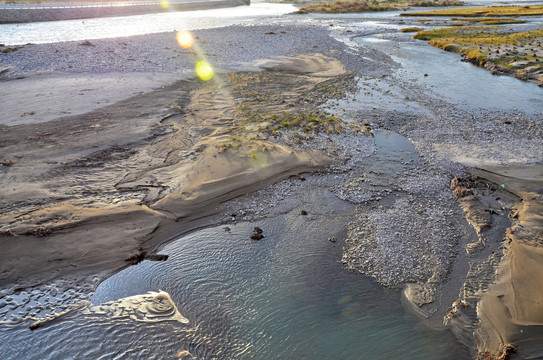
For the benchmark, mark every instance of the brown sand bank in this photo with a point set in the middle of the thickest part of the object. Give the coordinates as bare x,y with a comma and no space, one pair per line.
500,299
510,311
85,192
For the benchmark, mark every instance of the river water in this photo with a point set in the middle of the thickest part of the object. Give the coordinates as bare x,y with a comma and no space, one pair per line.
75,30
284,297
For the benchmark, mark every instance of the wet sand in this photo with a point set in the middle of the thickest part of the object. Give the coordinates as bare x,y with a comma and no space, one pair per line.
510,309
133,174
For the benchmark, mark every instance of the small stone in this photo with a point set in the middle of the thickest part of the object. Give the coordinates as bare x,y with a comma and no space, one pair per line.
257,234
332,239
226,228
303,212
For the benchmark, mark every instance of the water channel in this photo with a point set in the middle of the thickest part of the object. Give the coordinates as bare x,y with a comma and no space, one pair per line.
286,296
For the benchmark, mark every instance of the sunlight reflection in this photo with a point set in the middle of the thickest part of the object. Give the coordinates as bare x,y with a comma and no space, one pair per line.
164,4
204,70
184,39
258,160
348,305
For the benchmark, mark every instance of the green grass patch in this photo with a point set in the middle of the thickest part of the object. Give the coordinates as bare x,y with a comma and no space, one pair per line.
360,6
439,3
519,54
478,35
346,7
489,21
275,104
490,11
411,29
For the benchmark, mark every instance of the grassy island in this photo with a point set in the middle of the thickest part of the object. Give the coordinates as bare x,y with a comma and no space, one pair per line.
485,21
357,6
490,11
500,51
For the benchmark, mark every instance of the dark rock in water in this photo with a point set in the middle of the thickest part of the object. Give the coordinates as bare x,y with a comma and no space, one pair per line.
137,258
34,326
226,228
257,234
303,212
156,257
332,239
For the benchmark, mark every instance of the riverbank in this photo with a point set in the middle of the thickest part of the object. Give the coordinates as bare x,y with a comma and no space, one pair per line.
55,12
178,145
520,52
88,178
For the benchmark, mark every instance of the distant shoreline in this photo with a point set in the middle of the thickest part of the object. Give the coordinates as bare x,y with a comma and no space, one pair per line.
38,14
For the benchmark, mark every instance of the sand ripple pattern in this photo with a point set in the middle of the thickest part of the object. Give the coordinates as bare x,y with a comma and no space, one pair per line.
151,307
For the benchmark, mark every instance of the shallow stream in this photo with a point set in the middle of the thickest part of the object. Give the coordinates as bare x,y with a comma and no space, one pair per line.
286,296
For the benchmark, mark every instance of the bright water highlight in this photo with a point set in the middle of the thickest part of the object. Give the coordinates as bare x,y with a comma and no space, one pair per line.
110,27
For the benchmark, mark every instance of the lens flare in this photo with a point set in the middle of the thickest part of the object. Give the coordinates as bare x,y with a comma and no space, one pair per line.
348,306
204,70
258,160
164,4
185,39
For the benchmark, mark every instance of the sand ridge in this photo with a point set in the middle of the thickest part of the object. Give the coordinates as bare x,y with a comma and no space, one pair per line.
510,311
85,192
